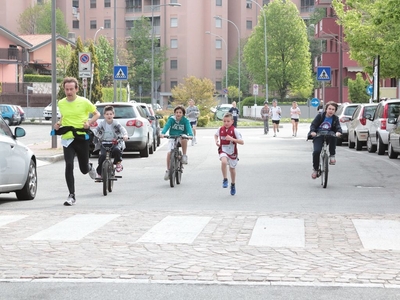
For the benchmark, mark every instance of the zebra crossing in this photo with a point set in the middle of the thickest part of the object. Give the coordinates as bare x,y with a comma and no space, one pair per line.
263,231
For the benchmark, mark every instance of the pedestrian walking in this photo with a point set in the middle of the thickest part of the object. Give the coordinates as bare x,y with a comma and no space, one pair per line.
192,113
295,113
75,112
265,117
235,113
275,113
226,138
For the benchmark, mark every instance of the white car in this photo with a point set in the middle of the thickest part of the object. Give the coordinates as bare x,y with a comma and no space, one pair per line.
17,164
48,112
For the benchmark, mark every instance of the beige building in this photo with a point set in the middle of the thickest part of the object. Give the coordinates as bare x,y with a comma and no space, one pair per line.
182,29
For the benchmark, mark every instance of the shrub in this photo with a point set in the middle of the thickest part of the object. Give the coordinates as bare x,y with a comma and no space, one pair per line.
162,122
203,121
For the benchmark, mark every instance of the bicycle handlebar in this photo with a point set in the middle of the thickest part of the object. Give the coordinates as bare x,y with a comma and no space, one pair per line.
183,136
326,133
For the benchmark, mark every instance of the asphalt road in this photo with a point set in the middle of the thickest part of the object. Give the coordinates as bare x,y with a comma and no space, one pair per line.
273,180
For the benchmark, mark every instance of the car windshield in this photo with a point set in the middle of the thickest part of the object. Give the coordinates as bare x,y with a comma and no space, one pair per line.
369,110
121,112
394,109
349,110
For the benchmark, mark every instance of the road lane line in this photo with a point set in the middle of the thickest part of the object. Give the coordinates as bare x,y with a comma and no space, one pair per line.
378,234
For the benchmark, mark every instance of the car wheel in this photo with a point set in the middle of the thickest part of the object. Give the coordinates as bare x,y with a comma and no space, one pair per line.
391,153
380,146
8,122
350,143
155,143
370,147
358,144
28,192
47,118
145,152
158,140
151,150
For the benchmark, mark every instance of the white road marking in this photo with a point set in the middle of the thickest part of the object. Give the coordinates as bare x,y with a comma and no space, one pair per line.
40,163
278,232
175,230
4,220
378,234
73,228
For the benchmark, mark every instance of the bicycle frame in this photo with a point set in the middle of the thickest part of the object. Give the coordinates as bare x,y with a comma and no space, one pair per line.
323,170
175,163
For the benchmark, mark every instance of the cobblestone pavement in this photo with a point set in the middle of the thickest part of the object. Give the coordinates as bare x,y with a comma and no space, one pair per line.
333,253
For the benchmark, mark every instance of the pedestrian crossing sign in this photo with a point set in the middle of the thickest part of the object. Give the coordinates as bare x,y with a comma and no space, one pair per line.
120,72
323,73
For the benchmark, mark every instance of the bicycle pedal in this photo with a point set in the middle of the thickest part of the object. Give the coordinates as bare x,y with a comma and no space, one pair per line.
98,180
118,176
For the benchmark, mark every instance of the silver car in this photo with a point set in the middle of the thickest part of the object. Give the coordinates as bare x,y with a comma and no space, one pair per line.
394,140
344,113
17,164
383,121
358,126
134,119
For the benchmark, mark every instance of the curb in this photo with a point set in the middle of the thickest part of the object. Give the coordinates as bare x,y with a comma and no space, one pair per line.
51,159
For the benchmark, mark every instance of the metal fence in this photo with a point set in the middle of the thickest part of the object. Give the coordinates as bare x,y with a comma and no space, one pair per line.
14,88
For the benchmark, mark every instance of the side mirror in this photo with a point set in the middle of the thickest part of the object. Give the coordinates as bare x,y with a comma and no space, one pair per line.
151,118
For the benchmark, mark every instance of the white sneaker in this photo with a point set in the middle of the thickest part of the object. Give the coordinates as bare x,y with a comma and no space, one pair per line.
92,172
184,159
166,175
193,139
70,200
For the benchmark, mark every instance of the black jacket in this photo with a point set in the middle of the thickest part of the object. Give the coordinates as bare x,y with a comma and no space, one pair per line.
319,118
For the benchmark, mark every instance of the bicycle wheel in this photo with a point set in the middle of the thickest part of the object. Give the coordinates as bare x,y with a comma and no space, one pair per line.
172,170
111,173
178,169
324,175
105,175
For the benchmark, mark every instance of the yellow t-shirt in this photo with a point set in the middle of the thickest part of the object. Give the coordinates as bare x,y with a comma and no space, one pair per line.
75,113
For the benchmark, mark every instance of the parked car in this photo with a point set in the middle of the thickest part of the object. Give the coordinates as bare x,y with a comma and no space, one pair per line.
394,140
10,114
48,112
358,126
383,121
220,110
134,119
156,123
17,164
147,108
344,112
21,112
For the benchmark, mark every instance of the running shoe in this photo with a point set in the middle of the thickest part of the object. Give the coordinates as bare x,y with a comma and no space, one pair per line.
70,200
119,167
92,171
225,183
233,189
184,159
166,175
332,160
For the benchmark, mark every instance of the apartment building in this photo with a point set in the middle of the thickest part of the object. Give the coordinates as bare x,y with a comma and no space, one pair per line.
181,28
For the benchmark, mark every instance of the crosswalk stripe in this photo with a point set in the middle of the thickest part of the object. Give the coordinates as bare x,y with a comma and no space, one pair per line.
4,220
73,228
175,229
378,234
278,232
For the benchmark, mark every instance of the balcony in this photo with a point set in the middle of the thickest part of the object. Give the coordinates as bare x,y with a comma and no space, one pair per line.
327,28
134,9
319,3
330,59
11,55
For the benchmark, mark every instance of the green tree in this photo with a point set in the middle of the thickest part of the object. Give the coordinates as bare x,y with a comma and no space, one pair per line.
63,59
95,92
105,56
358,89
289,66
372,28
73,69
233,73
200,90
139,46
233,92
36,19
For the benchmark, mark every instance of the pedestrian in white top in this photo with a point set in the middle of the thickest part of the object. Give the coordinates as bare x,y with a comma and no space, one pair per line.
192,113
275,112
295,115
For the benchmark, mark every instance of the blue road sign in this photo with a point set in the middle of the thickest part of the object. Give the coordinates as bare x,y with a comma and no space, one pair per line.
120,72
370,88
314,102
323,73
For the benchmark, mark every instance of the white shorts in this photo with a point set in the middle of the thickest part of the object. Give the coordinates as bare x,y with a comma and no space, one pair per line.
171,144
232,162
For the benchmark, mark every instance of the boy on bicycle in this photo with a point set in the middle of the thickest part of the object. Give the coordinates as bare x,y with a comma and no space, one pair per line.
226,138
326,121
177,124
109,130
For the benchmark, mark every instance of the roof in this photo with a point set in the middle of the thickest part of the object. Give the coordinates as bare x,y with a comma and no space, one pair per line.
14,38
41,40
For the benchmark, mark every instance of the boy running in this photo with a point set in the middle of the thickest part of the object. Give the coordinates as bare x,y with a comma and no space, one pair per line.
226,138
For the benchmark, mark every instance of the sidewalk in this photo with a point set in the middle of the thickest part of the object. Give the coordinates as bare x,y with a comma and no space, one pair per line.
44,151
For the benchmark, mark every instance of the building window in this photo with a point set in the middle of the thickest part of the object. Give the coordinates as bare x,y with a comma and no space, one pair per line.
107,3
107,23
218,23
93,24
266,2
174,22
75,24
174,84
218,64
218,85
218,2
307,5
218,44
75,3
248,4
174,1
174,64
249,24
174,44
93,3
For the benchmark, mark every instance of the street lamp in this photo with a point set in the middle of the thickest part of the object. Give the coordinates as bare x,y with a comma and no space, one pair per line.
265,50
91,75
28,88
94,39
153,102
220,18
226,56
